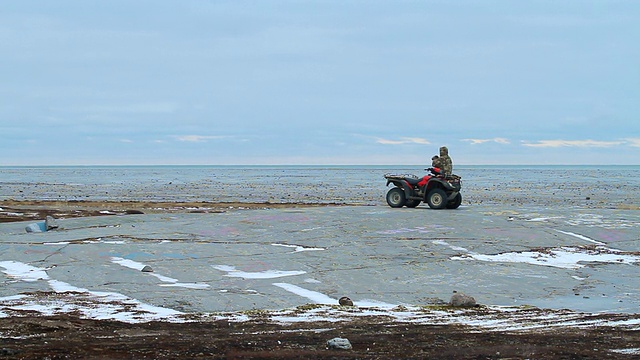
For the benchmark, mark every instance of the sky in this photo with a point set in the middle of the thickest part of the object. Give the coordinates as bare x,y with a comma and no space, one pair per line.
196,82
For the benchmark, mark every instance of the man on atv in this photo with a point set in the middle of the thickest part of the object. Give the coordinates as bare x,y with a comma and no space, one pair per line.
443,162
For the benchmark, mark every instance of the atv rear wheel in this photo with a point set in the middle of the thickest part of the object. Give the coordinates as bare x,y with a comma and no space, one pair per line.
396,198
455,203
437,199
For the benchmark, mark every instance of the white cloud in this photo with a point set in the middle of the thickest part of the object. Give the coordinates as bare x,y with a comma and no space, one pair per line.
635,142
402,141
572,143
198,138
482,141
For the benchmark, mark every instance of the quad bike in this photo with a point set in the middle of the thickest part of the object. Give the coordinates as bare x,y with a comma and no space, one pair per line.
439,191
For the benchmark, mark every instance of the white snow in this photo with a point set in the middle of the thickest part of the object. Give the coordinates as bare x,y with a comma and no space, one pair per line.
630,351
171,281
314,296
566,257
444,243
562,257
22,271
267,274
581,237
299,248
69,298
543,219
320,298
114,306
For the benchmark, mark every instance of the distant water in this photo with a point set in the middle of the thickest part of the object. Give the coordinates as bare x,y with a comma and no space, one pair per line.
602,186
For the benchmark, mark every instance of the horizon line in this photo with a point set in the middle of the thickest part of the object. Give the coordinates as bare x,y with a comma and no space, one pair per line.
293,165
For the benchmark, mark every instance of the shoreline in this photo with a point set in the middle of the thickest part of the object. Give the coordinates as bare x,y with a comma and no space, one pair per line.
64,336
29,210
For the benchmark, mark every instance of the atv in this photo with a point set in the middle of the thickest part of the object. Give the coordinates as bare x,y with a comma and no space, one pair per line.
438,190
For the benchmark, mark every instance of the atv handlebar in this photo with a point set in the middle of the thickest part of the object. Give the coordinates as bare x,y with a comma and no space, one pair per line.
433,171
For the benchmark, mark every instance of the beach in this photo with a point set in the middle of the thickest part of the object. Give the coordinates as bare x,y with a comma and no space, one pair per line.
249,262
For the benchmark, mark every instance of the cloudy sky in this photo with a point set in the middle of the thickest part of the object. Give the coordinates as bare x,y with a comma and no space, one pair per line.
319,82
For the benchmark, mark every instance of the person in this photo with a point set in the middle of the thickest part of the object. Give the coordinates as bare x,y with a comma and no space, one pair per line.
435,161
446,165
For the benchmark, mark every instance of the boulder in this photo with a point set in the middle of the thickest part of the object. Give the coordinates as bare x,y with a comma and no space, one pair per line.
50,223
36,227
339,344
462,300
345,301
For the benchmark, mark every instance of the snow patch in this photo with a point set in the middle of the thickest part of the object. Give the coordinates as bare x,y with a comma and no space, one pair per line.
71,299
171,282
299,248
267,274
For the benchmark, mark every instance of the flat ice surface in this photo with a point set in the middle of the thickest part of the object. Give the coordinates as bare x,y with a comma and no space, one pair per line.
556,237
583,259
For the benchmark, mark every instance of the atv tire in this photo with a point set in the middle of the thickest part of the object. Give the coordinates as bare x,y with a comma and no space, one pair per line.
437,199
412,203
455,203
396,198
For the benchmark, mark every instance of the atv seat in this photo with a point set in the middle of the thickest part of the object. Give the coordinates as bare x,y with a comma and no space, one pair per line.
413,181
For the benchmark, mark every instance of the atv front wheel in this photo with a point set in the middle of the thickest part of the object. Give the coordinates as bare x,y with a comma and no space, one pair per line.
455,203
437,199
396,198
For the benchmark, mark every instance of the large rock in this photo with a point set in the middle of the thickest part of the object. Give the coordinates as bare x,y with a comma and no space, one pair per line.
339,344
50,223
36,227
345,301
462,300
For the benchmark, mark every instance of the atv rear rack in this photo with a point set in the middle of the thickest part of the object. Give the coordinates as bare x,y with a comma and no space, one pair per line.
400,176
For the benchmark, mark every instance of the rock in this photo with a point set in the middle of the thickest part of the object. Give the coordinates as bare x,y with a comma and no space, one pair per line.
147,268
345,301
36,227
133,212
50,223
339,344
462,300
434,301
